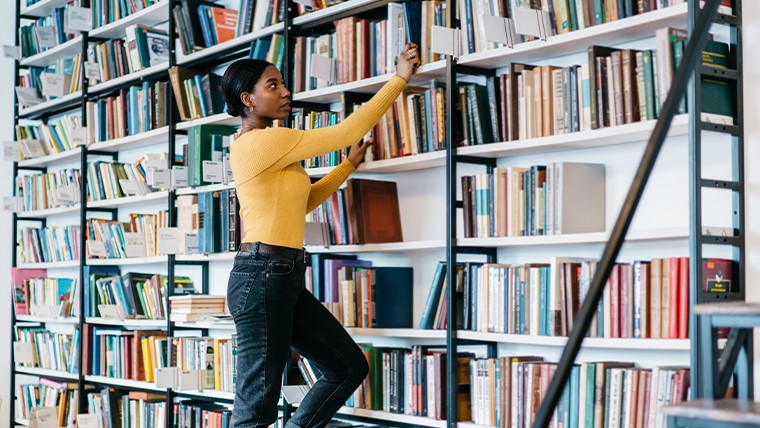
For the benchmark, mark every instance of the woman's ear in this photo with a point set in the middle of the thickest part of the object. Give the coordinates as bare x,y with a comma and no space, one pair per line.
247,100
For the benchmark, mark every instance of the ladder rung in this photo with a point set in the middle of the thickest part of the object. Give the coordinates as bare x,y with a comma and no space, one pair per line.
733,241
718,127
459,204
726,20
727,308
721,184
723,73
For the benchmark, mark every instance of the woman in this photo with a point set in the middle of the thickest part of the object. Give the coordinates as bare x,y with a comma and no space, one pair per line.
266,295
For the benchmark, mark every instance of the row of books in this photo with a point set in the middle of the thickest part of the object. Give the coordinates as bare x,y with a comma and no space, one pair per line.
36,294
63,396
309,119
46,349
107,11
136,238
192,414
215,356
42,139
142,47
368,297
559,198
48,244
113,180
214,217
46,32
270,49
507,391
202,24
364,212
48,190
134,110
54,81
197,94
114,408
144,293
126,354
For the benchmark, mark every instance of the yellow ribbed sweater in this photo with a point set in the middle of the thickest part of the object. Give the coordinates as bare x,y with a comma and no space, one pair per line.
274,190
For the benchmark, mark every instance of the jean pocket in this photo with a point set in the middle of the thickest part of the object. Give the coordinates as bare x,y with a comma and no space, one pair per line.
279,267
238,289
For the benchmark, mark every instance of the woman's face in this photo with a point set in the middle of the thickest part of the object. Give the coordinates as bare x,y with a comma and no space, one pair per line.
270,99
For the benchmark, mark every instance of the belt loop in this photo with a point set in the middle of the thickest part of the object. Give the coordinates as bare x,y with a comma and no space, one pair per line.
255,248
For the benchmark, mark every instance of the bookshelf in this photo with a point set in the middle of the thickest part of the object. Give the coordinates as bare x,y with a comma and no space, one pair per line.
424,245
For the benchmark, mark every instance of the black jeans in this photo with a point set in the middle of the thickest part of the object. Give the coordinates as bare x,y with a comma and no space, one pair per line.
273,312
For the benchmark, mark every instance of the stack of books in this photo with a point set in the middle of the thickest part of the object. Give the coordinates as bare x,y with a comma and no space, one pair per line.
193,307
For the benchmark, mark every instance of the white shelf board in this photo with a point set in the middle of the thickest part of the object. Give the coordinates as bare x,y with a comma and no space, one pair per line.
50,104
43,8
129,323
142,139
127,261
376,248
203,189
329,11
385,166
241,41
333,93
55,158
609,34
47,320
395,417
138,75
50,212
217,119
35,371
208,393
623,134
129,200
23,422
49,265
127,383
149,16
50,56
574,238
589,342
206,325
414,333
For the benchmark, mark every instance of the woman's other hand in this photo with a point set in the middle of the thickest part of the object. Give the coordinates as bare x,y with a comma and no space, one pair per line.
408,61
357,151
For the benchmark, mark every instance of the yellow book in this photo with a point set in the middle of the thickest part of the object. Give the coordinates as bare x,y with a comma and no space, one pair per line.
147,360
218,363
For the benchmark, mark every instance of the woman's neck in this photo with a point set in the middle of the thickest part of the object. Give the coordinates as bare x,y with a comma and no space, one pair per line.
254,122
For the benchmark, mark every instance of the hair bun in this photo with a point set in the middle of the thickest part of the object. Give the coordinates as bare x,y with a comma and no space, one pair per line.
231,110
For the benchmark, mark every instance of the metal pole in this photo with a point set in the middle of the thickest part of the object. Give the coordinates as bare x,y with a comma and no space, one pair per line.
82,401
692,54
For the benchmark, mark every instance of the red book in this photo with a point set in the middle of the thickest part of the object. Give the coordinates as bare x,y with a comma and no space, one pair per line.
615,301
624,301
675,304
225,23
20,293
683,297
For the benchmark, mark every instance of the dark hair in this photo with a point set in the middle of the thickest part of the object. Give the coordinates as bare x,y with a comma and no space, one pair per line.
240,77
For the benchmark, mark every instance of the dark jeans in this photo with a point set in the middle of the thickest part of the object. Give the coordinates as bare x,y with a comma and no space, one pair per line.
273,312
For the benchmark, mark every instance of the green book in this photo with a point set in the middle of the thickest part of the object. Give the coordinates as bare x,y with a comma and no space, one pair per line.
589,398
716,93
678,46
200,149
649,87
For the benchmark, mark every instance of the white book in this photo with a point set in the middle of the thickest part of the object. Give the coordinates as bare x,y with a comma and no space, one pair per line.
580,203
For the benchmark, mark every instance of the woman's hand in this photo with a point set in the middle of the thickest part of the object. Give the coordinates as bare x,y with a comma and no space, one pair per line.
408,61
357,151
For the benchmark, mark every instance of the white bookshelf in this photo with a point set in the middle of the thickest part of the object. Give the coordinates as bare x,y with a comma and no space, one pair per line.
126,383
406,333
138,75
50,265
50,212
202,189
575,238
127,261
52,159
50,56
52,104
150,16
217,119
207,393
57,374
393,417
22,422
604,343
47,320
43,8
129,200
377,248
142,139
128,323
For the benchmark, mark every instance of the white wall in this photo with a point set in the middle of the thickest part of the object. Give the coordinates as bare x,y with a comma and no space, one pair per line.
7,24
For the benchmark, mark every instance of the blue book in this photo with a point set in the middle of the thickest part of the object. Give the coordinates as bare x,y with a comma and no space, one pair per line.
413,22
434,296
147,105
392,294
199,84
429,121
133,126
204,20
225,220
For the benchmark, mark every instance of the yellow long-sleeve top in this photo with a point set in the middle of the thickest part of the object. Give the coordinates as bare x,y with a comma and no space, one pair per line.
274,190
